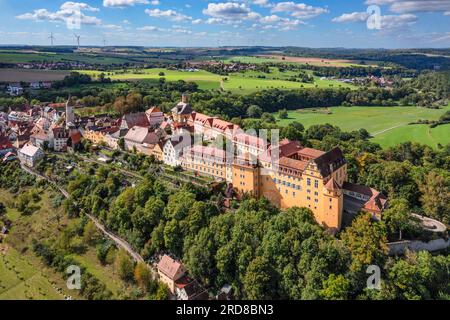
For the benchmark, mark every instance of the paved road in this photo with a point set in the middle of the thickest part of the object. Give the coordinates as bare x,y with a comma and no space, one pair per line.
119,241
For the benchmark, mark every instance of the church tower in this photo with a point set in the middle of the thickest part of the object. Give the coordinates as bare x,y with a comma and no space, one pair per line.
70,115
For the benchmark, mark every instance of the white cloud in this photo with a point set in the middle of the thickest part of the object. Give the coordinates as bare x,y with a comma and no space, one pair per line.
168,14
66,13
391,22
387,21
352,17
408,6
299,10
150,28
262,3
230,11
270,19
124,3
78,5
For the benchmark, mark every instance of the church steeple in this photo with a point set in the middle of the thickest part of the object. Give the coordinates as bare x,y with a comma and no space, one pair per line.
70,115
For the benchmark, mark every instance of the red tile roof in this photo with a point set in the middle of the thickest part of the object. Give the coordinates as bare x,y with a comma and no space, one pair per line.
169,267
310,153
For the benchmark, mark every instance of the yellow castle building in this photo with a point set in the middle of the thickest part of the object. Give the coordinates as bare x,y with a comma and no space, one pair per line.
292,176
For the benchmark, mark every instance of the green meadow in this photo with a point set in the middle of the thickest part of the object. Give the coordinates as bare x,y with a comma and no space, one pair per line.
23,275
245,82
388,125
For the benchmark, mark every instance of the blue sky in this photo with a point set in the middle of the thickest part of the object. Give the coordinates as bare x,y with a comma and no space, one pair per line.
319,23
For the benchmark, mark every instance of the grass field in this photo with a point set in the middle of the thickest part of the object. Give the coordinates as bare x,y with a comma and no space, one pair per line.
18,75
388,125
237,82
23,275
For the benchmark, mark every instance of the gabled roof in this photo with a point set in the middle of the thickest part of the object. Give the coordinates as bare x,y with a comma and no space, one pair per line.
136,119
170,267
311,153
29,150
141,135
330,161
153,110
298,165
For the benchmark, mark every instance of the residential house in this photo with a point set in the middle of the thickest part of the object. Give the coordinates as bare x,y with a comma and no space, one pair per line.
172,152
169,271
59,139
187,289
40,139
138,137
98,135
29,155
112,138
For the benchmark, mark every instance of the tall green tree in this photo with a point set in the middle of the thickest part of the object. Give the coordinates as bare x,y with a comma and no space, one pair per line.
367,242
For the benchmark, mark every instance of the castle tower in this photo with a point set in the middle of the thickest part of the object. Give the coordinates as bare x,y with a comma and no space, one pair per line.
333,205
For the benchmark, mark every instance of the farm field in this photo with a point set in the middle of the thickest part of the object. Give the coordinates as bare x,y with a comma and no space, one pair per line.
299,60
25,75
388,125
26,57
236,82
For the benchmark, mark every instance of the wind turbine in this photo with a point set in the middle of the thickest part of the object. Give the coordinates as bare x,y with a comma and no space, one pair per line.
52,38
78,39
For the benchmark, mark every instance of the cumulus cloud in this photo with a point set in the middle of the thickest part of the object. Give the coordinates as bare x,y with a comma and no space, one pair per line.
262,3
409,6
124,3
352,17
386,22
299,10
150,28
66,12
168,14
230,11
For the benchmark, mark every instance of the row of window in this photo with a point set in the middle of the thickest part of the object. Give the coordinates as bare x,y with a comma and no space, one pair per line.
287,184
